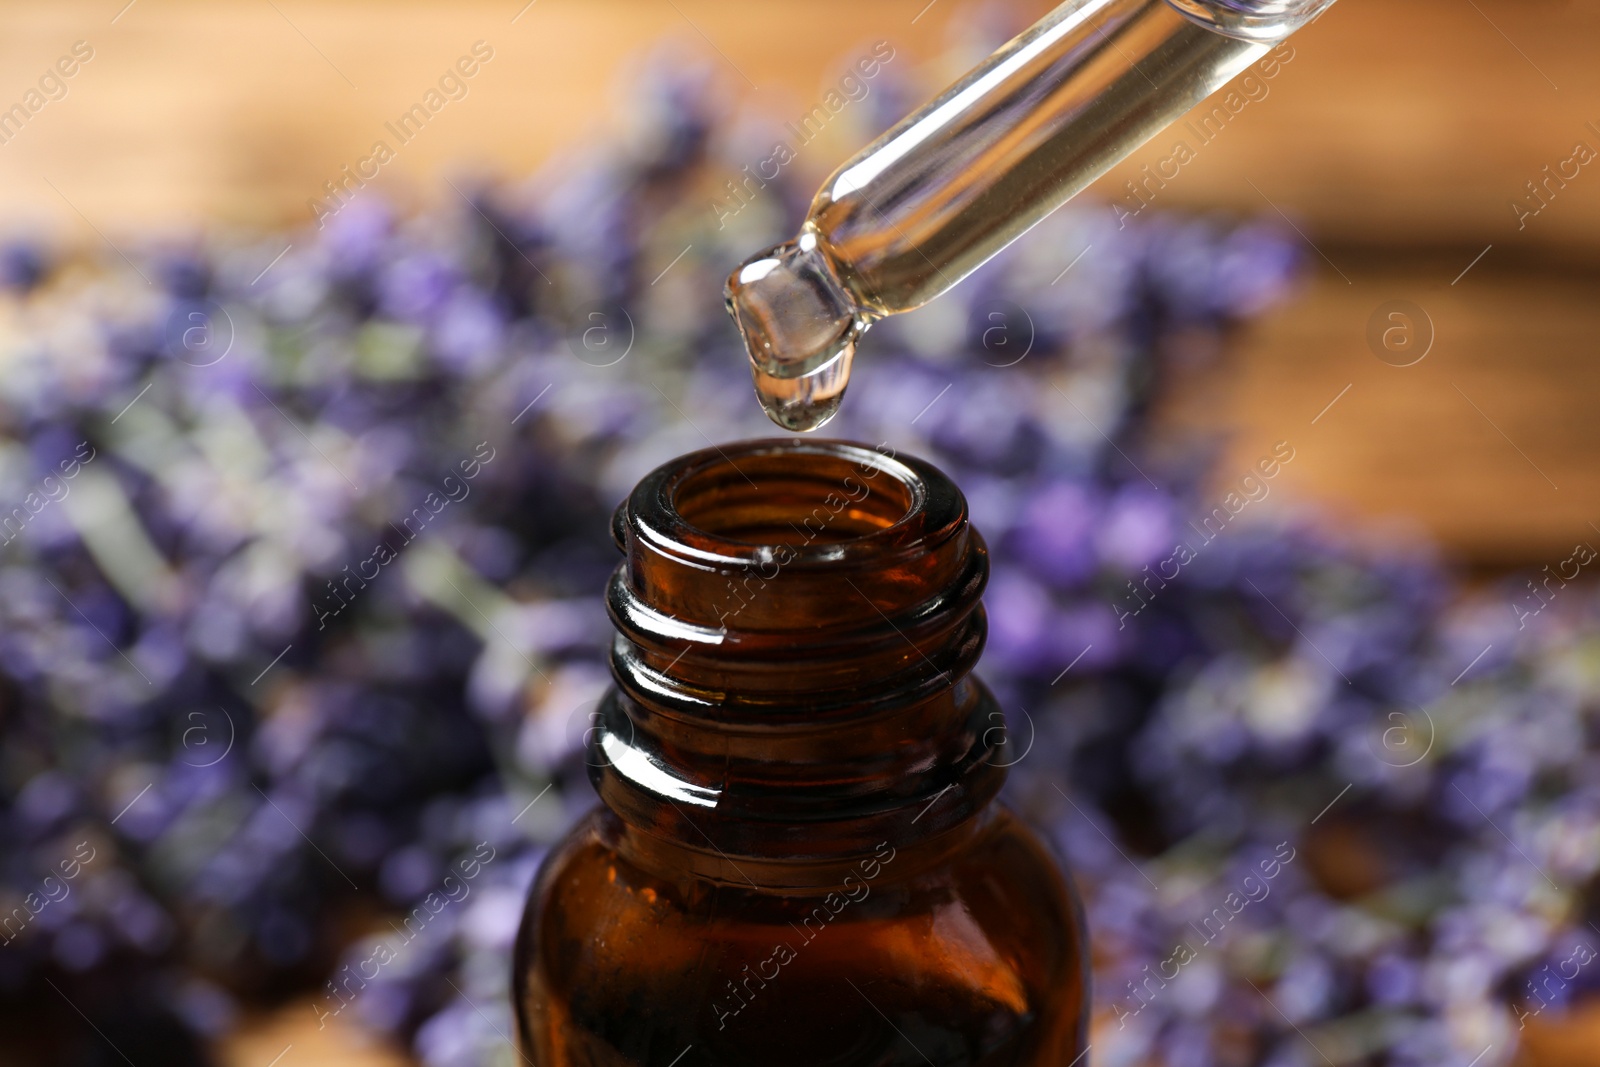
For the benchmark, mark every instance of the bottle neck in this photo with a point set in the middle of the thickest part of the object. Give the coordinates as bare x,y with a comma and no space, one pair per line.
797,622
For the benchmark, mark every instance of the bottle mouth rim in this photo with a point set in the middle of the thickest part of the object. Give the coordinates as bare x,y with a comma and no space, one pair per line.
791,501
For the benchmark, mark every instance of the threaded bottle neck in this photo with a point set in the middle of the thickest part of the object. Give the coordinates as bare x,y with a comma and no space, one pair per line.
796,621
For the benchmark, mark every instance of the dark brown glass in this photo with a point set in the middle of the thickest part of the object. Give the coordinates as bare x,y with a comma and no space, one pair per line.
797,859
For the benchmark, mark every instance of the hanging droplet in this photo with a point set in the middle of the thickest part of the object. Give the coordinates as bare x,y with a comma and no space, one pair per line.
800,327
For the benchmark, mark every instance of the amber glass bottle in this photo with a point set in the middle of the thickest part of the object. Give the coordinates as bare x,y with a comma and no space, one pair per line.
797,861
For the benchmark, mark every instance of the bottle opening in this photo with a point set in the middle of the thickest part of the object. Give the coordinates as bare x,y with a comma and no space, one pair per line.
810,502
795,537
796,496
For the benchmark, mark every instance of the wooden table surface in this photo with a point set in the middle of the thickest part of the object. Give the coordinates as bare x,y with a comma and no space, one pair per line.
291,1033
290,1037
1489,442
1398,124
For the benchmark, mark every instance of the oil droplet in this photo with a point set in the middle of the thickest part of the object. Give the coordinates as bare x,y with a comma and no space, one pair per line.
809,401
800,326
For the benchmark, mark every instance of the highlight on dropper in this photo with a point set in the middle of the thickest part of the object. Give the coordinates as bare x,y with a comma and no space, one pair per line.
800,326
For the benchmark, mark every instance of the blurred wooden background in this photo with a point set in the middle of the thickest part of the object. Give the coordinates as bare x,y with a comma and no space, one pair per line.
1395,141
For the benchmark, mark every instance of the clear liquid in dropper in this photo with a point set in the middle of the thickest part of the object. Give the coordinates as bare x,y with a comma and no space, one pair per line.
800,328
935,197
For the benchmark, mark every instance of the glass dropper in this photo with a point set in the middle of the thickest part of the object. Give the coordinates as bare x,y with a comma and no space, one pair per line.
934,198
